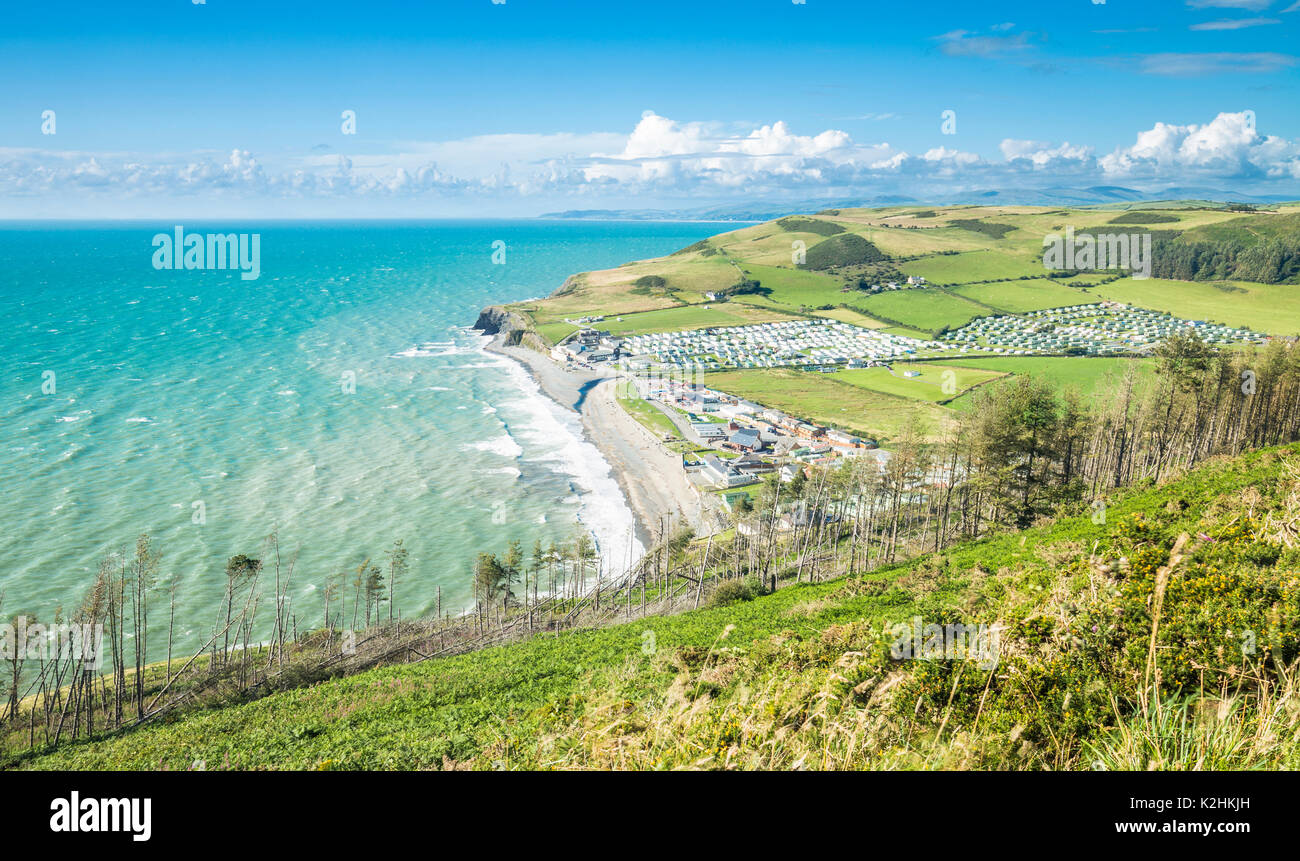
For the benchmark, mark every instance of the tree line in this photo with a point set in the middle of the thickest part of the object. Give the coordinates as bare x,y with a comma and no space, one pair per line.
1269,261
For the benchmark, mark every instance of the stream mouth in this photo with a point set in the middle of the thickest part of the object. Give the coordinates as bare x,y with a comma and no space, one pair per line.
583,390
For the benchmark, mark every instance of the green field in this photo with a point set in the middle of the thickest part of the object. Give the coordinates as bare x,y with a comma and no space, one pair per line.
856,318
929,386
972,266
793,288
1270,308
922,309
1085,374
554,333
649,416
1020,296
829,401
921,241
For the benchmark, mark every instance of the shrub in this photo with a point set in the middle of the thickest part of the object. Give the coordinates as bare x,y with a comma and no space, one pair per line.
988,228
1142,217
731,592
650,282
795,224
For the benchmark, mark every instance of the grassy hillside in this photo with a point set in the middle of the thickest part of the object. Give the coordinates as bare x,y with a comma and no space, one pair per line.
1162,635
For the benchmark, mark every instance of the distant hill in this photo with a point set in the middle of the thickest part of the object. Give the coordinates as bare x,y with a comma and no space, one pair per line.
1100,195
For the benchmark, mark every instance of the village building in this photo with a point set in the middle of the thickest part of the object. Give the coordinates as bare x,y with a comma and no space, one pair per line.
710,430
746,439
721,473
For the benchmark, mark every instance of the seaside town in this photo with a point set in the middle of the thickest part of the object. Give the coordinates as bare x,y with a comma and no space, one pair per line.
728,444
738,441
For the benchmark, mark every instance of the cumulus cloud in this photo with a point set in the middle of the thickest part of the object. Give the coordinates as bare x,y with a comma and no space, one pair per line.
1042,155
1229,146
666,153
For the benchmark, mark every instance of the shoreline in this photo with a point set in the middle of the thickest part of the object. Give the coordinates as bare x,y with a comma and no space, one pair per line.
653,484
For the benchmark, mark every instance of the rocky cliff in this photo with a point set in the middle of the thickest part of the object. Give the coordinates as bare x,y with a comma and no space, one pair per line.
514,328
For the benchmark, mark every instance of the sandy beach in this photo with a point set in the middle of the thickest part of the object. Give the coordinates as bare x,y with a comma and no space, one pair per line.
650,476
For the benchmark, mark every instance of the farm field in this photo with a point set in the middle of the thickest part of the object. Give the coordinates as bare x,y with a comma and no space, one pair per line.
792,288
928,386
666,294
971,266
771,244
1270,308
1085,374
857,318
1020,296
824,399
925,310
905,332
556,332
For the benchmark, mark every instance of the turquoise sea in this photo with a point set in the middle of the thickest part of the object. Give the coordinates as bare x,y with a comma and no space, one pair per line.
133,400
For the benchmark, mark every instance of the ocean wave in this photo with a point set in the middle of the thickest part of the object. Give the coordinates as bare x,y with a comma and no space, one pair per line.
503,445
558,434
429,349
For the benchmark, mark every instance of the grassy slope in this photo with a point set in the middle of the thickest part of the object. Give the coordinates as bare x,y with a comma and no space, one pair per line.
741,684
1085,374
928,386
825,399
927,310
649,416
690,317
1021,296
1272,308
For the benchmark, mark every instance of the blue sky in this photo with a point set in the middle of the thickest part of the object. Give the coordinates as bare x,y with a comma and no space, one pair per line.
474,107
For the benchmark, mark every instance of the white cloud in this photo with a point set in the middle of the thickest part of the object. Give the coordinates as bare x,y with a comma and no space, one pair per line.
963,43
1227,147
1251,5
1235,24
1043,155
658,159
663,152
1189,65
951,157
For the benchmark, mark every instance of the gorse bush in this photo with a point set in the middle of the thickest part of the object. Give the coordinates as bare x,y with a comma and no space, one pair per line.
732,591
796,224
